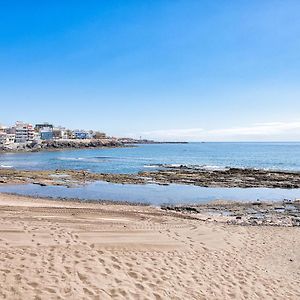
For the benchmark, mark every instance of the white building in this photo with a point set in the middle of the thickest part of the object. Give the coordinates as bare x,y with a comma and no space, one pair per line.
2,129
7,138
2,138
81,134
24,132
60,133
46,133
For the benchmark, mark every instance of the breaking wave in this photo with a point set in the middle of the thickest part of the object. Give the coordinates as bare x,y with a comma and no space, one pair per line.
5,167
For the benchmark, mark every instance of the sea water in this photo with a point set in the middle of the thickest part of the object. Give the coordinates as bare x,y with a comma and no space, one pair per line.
152,193
275,156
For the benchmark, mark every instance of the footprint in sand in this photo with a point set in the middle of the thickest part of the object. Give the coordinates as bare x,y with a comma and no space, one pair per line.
114,259
129,265
116,266
139,286
133,275
108,271
33,284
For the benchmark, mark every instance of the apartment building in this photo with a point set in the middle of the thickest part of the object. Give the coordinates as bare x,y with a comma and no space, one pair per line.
81,134
46,133
60,133
3,137
24,132
7,138
39,127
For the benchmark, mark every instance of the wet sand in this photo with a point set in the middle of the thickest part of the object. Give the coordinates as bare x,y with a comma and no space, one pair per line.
71,250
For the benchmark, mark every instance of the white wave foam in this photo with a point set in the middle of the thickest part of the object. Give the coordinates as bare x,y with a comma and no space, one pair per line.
214,168
150,166
73,158
196,167
5,167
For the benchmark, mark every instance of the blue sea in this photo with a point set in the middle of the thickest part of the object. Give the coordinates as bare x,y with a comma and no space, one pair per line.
275,156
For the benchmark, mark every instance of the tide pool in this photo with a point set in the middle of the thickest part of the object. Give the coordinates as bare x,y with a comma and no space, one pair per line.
152,193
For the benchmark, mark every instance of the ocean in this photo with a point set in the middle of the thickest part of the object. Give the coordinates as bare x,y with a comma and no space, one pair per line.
275,156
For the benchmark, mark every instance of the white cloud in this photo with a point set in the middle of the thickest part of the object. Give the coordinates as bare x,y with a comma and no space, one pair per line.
258,129
258,132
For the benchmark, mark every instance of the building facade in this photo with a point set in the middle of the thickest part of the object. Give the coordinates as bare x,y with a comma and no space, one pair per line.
60,133
24,132
41,126
7,138
81,134
3,138
46,134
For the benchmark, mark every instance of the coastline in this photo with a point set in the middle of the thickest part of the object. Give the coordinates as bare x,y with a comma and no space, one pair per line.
89,250
284,213
71,248
61,145
73,144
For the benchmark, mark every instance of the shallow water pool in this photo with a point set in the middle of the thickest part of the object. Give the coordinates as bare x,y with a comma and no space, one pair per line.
152,193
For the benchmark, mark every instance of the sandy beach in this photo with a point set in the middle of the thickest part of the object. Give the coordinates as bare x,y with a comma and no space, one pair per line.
72,250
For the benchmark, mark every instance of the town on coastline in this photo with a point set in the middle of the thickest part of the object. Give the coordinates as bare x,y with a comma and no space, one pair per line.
24,136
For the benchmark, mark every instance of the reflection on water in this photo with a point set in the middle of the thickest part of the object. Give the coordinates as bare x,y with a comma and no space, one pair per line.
152,193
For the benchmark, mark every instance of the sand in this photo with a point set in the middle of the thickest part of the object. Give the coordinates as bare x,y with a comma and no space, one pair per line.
68,250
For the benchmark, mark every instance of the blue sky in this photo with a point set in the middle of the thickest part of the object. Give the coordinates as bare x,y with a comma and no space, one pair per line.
180,70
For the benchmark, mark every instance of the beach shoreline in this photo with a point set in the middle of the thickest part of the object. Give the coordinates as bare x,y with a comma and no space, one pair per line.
67,249
284,213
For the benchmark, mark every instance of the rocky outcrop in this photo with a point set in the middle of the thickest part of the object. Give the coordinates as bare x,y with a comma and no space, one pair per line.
282,213
60,144
242,178
230,177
